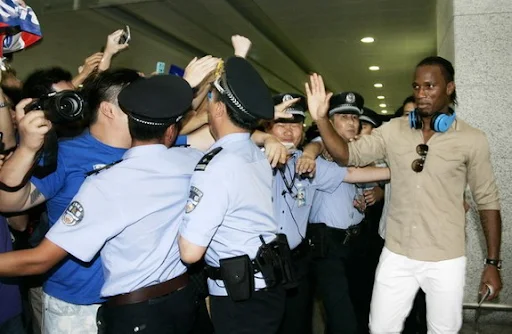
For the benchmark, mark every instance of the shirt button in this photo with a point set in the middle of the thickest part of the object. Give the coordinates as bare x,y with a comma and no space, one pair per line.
282,211
281,228
418,186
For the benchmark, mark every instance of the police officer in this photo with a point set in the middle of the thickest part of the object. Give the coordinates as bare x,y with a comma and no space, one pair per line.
369,120
335,223
293,196
229,211
130,212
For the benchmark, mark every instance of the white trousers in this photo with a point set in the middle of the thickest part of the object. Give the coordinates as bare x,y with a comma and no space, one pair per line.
397,281
60,317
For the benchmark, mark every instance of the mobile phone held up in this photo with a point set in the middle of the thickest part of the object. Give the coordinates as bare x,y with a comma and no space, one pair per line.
160,67
126,36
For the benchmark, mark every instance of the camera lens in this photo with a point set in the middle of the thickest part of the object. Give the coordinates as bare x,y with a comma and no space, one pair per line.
69,106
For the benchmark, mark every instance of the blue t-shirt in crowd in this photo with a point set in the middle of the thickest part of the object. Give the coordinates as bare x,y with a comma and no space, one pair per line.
71,280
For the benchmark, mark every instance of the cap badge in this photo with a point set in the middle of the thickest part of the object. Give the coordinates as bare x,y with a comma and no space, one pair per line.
287,97
350,98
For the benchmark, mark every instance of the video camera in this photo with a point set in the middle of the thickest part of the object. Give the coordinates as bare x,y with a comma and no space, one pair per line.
62,107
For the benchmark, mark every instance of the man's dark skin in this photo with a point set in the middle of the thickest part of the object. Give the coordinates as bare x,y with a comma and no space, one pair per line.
432,93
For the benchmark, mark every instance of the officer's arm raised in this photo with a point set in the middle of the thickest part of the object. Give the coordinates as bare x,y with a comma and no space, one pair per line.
31,261
33,128
318,105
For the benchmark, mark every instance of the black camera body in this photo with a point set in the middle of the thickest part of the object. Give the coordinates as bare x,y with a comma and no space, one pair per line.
62,107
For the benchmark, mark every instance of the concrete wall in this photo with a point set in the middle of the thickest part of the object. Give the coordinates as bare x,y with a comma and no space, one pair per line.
475,36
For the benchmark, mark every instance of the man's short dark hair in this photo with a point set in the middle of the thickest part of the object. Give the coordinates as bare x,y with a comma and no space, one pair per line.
145,132
106,87
446,69
39,82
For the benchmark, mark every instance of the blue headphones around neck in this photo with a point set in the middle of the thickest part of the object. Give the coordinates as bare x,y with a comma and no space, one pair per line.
440,122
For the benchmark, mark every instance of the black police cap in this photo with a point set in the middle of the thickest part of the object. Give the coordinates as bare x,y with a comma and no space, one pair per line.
370,116
346,103
158,100
298,109
243,90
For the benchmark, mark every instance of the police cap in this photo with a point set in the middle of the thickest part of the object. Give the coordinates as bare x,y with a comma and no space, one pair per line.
243,90
346,103
298,109
370,116
158,100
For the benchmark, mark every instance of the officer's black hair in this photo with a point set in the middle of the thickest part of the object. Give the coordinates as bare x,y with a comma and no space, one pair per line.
145,132
311,133
400,111
39,82
446,69
409,99
106,87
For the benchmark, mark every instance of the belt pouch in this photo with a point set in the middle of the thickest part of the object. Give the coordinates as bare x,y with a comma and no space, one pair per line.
238,277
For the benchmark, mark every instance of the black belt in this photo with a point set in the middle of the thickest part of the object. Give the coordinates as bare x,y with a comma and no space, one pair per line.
149,292
301,251
338,233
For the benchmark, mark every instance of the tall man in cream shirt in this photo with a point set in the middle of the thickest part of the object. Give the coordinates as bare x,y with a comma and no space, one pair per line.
432,154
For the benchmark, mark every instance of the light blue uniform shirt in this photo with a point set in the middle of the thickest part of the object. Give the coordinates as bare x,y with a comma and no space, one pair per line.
230,205
293,206
131,212
336,209
71,280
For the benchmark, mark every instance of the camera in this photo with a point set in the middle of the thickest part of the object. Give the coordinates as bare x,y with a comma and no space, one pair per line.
66,106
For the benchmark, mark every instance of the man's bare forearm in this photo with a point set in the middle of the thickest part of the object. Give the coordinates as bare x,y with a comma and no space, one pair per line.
31,261
313,149
194,121
335,145
105,62
259,137
12,174
491,225
200,96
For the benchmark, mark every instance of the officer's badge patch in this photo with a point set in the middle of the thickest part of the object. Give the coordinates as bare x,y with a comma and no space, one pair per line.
193,199
73,214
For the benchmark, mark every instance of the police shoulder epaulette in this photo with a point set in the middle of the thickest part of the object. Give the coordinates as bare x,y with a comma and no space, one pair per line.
205,160
96,171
